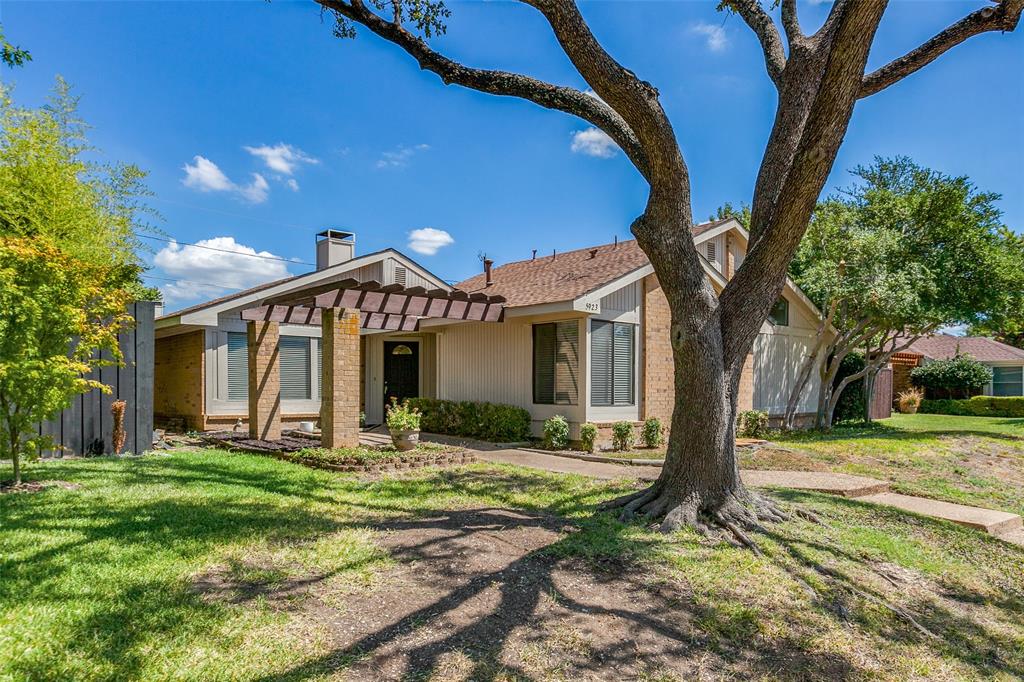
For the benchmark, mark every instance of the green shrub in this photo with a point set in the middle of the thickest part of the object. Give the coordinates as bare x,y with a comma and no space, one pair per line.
753,424
958,377
588,434
978,406
556,433
852,401
487,421
401,416
650,434
623,436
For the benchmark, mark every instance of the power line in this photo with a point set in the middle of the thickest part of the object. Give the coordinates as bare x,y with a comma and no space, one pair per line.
214,248
232,215
191,281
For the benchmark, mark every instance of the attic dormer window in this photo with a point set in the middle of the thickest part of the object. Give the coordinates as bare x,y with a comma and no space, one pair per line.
712,251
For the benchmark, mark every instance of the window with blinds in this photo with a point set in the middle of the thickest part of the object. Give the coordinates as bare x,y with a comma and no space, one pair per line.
556,363
238,366
1008,381
612,363
293,355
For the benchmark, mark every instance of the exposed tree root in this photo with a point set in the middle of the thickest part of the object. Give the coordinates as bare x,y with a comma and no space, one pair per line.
729,516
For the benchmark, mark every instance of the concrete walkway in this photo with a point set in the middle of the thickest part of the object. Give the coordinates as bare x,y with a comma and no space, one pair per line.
1006,526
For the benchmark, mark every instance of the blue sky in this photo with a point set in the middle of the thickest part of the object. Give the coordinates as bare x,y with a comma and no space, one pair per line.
350,134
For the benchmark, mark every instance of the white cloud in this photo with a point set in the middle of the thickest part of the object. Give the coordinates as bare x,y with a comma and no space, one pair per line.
714,34
428,241
400,157
281,158
293,184
202,273
205,176
594,142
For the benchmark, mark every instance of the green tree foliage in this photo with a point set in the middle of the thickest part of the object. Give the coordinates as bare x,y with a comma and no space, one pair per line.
55,312
49,188
12,55
958,377
726,210
900,253
1006,320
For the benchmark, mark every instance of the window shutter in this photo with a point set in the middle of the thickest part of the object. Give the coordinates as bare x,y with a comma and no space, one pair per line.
623,363
544,363
320,365
293,355
567,361
601,379
238,366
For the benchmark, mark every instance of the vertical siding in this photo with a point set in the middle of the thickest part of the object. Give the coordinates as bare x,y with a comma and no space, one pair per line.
623,300
777,360
412,278
485,362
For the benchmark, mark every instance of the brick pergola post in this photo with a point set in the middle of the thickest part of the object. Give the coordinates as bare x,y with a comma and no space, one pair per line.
339,382
264,381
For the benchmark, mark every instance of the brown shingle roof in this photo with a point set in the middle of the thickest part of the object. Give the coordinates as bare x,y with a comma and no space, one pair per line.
565,276
944,346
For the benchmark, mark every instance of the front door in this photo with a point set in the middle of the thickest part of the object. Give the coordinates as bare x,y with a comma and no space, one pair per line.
401,370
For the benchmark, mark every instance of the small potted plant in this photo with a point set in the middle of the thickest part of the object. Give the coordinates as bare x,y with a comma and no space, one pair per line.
404,425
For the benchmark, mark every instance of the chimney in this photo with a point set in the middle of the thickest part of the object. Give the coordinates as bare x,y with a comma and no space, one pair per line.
593,254
487,271
334,247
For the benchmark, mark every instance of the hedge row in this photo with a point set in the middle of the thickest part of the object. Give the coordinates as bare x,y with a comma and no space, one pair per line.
978,406
487,421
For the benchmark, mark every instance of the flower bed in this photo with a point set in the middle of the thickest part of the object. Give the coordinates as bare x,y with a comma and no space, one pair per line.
360,459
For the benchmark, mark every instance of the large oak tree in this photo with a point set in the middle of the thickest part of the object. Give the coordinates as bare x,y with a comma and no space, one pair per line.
819,79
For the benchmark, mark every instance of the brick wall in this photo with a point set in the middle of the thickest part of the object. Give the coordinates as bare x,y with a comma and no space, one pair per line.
178,394
658,381
902,364
658,388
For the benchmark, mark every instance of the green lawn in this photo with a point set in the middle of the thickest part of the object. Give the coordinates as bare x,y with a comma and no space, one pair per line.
111,581
970,460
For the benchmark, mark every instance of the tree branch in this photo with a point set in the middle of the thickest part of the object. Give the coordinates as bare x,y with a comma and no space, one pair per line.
771,43
791,22
568,100
1003,17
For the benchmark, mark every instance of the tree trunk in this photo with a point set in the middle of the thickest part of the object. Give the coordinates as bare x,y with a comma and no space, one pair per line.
15,457
869,391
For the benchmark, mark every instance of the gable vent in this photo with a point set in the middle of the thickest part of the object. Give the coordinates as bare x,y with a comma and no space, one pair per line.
400,275
712,252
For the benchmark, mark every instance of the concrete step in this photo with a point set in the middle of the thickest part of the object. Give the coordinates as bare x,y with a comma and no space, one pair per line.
846,485
991,521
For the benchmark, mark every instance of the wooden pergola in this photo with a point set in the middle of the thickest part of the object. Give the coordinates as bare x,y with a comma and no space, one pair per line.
342,309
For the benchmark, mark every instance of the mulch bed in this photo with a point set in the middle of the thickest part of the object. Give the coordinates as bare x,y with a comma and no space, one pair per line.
8,487
285,448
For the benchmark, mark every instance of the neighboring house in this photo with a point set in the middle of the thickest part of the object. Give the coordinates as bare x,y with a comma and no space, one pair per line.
1006,362
585,335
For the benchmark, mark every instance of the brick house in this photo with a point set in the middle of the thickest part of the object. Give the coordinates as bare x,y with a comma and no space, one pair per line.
1005,361
584,334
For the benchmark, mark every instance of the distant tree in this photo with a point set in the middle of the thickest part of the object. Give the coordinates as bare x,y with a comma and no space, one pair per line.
12,55
55,312
902,252
819,78
1006,321
49,188
742,214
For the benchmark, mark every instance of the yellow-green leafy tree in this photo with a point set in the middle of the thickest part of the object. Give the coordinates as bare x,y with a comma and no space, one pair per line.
56,313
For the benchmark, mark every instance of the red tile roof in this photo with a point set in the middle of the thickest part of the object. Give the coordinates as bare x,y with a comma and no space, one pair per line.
565,276
945,346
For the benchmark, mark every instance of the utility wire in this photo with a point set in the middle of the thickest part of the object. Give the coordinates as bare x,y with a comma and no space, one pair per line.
214,248
191,281
239,216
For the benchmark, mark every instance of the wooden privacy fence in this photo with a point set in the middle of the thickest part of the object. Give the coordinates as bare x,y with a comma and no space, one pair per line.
86,428
881,396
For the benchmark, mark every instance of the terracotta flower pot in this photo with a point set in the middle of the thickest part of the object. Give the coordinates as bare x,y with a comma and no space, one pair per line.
405,440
